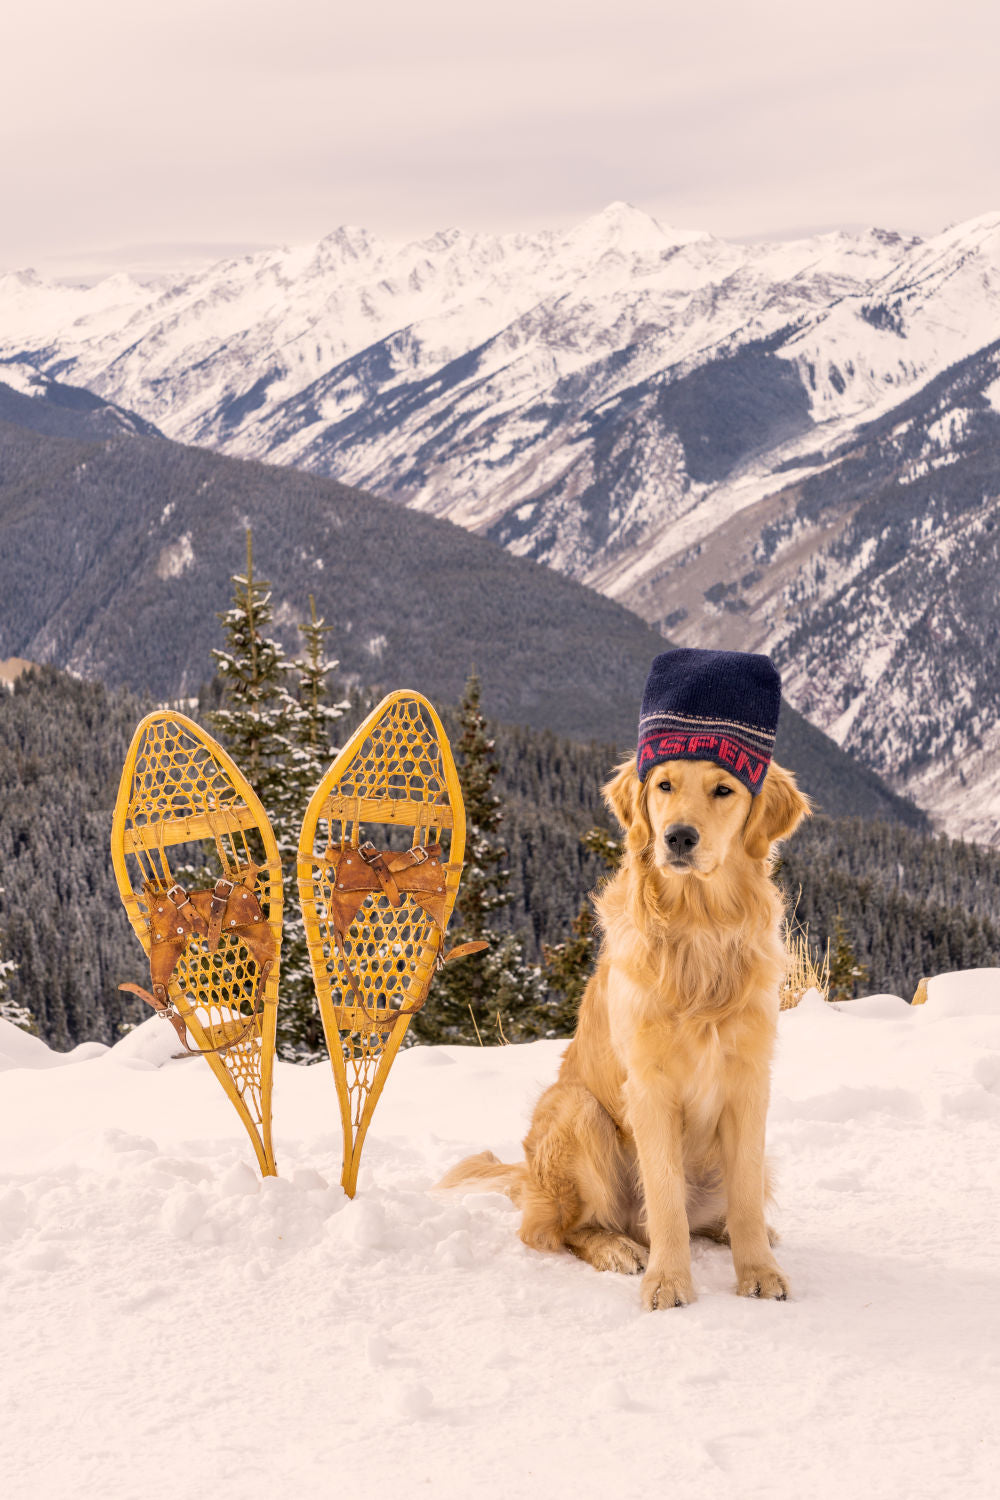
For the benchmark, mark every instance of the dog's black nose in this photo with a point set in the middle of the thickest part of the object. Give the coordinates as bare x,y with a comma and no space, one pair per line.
680,839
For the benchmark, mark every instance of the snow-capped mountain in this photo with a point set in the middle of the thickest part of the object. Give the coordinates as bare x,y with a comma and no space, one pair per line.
636,406
872,574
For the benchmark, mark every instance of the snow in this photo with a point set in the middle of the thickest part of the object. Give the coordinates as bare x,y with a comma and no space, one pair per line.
571,297
975,817
177,557
604,305
522,340
23,378
176,1327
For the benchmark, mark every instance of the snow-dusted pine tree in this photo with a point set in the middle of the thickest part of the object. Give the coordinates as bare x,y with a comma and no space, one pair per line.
484,880
847,973
257,704
313,714
280,739
474,996
310,751
568,965
17,1015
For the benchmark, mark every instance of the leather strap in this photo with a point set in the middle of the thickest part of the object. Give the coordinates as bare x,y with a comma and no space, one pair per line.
352,873
221,893
383,875
165,1009
462,950
175,915
376,861
182,904
229,906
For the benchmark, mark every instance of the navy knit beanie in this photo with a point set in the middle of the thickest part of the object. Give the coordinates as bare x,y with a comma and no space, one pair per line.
711,705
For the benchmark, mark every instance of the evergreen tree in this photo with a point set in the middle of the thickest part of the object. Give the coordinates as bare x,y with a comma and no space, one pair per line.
846,973
569,964
310,751
10,1010
276,739
608,849
312,713
485,878
257,707
476,996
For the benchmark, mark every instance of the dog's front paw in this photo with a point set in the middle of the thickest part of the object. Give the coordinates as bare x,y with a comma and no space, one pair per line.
661,1289
762,1281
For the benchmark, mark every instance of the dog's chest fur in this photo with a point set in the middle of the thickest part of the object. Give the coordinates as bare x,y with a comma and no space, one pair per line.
689,1056
691,1059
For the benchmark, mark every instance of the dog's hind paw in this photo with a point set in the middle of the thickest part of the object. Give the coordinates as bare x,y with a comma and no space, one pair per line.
660,1290
619,1253
627,1256
762,1281
608,1251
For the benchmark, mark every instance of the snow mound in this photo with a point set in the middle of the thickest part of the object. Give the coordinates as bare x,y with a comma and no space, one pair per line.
149,1045
970,992
19,1049
407,1342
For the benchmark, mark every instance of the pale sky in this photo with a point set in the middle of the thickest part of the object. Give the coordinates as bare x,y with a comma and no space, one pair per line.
142,123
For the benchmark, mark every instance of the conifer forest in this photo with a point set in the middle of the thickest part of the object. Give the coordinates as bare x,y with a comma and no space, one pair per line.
899,904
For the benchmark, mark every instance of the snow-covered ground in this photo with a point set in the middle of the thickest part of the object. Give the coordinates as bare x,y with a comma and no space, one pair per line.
175,1327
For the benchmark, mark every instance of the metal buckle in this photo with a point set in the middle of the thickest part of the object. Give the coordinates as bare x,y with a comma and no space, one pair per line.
368,851
418,854
224,887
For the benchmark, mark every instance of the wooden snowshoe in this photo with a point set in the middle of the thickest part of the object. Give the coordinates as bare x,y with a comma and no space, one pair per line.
199,874
375,915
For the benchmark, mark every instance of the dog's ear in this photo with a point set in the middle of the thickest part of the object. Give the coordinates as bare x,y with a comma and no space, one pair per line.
777,811
620,792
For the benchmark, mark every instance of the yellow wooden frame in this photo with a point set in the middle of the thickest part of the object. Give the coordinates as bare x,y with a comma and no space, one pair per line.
180,787
397,771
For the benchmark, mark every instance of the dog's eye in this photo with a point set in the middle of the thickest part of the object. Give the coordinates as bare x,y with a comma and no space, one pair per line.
664,786
723,791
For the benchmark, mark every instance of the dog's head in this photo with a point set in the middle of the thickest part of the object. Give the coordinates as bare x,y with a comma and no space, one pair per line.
689,816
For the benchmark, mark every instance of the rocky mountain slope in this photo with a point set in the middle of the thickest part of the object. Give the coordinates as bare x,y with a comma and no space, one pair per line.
116,554
650,411
873,577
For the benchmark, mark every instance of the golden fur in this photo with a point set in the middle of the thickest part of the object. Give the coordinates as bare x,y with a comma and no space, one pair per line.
655,1126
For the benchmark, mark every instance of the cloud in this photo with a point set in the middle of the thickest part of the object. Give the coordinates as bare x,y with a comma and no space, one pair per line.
200,119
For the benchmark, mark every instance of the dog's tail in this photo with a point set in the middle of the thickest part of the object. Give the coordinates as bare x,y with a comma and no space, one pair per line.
485,1173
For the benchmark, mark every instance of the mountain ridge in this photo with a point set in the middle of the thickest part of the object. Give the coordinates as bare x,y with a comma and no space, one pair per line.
608,399
117,555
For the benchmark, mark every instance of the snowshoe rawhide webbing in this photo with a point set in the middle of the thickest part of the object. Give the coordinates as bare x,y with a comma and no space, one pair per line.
356,871
184,806
375,918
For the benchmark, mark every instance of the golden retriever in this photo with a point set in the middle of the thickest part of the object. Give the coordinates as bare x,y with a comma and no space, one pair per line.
655,1127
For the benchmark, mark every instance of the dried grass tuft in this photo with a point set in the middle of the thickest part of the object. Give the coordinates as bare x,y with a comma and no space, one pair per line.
807,969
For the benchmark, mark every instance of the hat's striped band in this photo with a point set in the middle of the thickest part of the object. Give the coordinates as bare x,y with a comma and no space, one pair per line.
758,739
744,762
